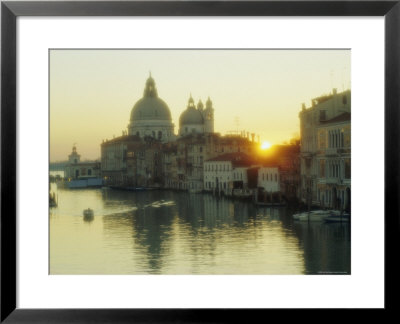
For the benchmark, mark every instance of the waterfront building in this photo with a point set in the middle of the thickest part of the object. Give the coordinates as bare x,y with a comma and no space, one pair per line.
149,153
129,160
334,162
313,124
269,179
224,173
288,161
170,166
191,152
76,169
150,116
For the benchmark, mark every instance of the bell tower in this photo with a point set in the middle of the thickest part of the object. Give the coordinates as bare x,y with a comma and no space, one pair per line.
208,115
74,157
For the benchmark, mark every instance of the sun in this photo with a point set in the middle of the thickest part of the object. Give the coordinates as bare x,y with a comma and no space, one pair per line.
265,145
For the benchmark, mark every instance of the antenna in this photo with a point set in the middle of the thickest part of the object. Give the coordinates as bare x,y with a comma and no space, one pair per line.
237,122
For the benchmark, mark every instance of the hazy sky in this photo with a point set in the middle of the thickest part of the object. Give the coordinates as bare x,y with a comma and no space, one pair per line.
92,92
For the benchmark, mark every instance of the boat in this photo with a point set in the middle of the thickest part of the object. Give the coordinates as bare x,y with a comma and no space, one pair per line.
244,194
314,215
88,213
337,217
53,200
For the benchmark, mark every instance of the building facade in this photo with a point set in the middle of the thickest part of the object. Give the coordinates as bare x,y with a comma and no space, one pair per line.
269,179
77,169
150,154
131,161
313,124
227,172
334,162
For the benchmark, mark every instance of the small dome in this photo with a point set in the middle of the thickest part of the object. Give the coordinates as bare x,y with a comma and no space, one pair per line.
191,116
150,107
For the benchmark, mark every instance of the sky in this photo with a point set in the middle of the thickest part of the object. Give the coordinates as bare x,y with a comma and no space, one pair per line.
92,92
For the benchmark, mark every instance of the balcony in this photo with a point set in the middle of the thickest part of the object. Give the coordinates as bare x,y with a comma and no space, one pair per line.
333,181
338,181
331,151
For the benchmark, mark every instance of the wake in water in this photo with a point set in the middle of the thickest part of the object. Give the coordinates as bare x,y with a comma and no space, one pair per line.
160,203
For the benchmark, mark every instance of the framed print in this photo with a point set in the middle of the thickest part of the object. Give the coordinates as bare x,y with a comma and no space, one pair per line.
199,158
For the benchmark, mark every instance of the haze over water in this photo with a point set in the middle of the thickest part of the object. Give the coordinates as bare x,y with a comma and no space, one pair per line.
165,232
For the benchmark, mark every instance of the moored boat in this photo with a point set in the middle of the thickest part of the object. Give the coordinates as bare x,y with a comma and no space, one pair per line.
337,217
315,215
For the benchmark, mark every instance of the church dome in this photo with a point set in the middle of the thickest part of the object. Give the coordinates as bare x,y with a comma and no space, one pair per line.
150,107
191,116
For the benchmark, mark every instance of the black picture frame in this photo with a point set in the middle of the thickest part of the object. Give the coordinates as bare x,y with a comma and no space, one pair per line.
10,10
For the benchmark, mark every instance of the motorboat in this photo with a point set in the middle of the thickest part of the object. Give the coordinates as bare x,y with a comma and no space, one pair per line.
88,213
314,215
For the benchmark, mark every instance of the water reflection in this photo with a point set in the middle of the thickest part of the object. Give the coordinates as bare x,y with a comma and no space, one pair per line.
165,232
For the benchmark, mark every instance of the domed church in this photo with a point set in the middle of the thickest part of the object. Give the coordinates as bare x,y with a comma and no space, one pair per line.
197,120
151,117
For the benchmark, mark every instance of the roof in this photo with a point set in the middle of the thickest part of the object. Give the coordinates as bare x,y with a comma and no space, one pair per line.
191,116
150,107
124,138
238,159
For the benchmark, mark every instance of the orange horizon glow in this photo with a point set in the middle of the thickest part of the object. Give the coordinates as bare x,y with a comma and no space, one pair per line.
265,145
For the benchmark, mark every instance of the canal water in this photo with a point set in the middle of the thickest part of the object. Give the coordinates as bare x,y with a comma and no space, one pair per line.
166,232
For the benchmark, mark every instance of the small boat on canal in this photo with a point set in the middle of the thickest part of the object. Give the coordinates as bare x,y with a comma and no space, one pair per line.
88,214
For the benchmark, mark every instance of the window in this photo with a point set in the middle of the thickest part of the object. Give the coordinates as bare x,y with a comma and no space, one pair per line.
322,168
322,115
347,169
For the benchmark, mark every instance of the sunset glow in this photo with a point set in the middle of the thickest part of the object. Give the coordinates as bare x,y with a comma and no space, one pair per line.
265,145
